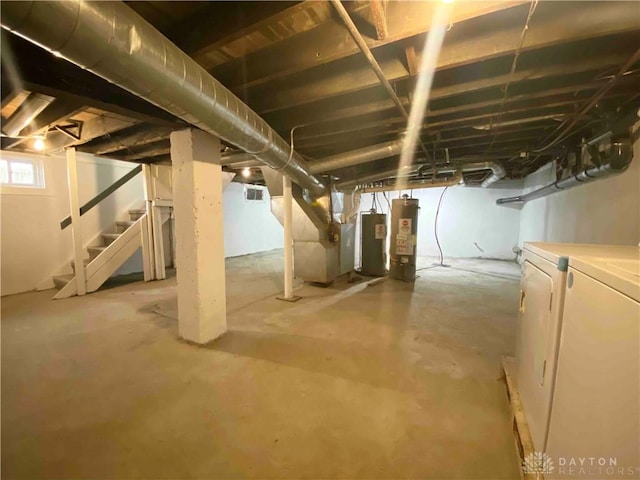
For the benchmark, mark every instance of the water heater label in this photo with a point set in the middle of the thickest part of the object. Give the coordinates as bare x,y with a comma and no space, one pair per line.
381,231
405,226
404,244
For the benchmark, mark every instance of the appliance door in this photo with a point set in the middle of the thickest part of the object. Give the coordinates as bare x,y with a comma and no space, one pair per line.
535,320
596,402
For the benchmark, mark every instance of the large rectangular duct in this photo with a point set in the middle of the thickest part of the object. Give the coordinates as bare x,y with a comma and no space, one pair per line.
323,240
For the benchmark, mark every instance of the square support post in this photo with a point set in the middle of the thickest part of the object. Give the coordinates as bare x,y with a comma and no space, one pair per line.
76,227
197,200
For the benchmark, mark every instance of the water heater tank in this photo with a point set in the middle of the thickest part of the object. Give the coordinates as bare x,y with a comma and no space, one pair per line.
404,229
373,244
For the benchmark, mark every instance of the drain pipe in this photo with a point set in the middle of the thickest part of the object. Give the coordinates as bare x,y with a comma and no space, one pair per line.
110,40
618,161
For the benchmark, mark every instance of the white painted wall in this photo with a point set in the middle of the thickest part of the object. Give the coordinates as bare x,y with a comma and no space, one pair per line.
31,243
603,212
249,226
470,224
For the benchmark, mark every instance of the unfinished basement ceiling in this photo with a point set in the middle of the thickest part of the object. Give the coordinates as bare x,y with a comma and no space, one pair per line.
501,92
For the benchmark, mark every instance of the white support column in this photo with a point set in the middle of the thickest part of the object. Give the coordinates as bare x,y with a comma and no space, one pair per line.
76,227
148,240
288,241
197,201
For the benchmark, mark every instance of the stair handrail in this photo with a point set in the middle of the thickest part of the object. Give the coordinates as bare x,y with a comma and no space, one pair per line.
102,195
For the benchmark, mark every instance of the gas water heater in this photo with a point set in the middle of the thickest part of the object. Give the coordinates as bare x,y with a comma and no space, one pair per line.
373,244
404,229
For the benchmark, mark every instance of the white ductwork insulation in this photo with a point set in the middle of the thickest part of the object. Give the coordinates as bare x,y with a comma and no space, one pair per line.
112,41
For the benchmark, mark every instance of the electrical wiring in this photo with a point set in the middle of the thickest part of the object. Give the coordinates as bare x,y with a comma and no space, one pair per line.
435,227
379,203
514,65
387,199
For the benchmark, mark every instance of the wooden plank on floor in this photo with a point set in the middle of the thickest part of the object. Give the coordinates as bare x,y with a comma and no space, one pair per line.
522,436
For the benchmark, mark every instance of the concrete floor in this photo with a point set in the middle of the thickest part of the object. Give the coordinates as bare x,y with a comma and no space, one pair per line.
387,381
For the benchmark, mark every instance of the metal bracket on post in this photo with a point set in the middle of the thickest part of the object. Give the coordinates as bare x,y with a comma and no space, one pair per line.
76,228
288,242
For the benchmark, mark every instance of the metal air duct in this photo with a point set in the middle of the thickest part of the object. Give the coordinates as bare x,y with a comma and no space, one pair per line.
29,109
617,162
498,172
415,185
375,176
357,157
112,41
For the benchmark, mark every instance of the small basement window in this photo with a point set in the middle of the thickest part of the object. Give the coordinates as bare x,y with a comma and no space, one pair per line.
21,172
252,193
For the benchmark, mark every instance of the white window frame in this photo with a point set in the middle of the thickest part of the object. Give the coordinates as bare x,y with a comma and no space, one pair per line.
40,170
253,187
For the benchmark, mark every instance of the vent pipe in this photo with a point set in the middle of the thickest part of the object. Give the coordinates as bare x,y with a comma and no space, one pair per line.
498,172
357,157
375,176
416,185
112,41
617,162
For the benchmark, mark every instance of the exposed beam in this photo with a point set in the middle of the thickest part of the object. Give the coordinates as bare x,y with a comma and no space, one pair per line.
43,73
320,113
59,110
91,129
153,149
552,26
379,17
412,60
202,34
128,138
394,126
330,42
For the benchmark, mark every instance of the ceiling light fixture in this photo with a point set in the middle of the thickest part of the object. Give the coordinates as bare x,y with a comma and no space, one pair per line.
246,172
38,143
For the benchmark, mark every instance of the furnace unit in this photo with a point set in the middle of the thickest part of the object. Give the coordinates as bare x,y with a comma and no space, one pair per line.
404,229
373,244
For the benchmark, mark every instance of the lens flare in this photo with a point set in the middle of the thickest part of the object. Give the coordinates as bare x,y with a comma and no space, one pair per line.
433,44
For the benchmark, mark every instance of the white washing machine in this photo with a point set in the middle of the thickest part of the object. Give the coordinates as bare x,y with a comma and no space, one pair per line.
544,274
595,412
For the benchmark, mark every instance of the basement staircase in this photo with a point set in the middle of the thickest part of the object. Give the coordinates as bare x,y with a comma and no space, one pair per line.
105,259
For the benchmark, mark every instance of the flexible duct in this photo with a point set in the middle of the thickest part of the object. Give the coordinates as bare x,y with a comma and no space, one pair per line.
618,161
112,41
